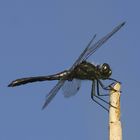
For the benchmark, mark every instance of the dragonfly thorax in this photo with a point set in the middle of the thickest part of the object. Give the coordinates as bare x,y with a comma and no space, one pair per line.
104,71
89,71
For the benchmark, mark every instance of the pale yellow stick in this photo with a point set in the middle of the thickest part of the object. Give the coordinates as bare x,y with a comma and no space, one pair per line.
115,129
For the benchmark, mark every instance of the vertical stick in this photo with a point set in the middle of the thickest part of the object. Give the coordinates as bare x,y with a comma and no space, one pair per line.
115,130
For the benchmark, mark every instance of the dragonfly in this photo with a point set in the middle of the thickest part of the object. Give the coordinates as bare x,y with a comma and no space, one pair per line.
70,80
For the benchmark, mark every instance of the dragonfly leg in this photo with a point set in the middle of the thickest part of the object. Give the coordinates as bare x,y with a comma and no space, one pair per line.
109,87
98,90
98,93
114,80
93,94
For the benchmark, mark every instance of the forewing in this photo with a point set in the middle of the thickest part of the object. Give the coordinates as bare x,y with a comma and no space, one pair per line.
91,48
99,43
70,88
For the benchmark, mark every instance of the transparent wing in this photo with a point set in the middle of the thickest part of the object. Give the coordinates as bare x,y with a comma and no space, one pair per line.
91,48
70,88
53,92
99,43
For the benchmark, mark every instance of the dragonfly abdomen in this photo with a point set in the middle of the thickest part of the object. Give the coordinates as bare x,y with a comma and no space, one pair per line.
22,81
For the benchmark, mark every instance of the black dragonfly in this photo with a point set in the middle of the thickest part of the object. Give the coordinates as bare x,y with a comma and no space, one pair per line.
70,80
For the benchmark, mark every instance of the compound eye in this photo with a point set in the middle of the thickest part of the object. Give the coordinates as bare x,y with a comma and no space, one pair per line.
105,67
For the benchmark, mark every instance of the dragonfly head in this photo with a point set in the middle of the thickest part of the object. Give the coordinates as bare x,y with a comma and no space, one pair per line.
104,70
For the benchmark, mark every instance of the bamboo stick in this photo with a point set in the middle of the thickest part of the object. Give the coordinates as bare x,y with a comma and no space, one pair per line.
115,129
